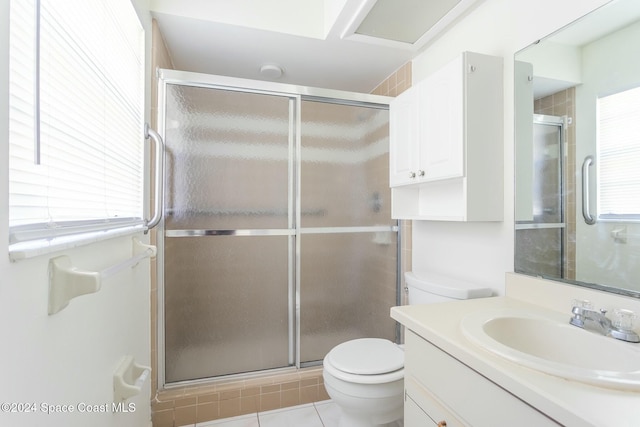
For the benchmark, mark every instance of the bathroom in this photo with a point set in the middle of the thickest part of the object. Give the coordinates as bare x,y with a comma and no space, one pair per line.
61,359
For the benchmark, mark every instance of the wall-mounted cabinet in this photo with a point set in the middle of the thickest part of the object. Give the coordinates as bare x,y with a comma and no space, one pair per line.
446,153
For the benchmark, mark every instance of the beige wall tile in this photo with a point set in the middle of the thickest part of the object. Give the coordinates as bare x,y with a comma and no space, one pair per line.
309,394
162,418
290,397
250,404
290,385
230,408
308,382
269,401
251,391
207,412
209,397
185,415
270,389
230,394
322,393
185,401
162,406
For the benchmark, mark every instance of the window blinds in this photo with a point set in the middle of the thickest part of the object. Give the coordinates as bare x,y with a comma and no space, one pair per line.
90,103
619,155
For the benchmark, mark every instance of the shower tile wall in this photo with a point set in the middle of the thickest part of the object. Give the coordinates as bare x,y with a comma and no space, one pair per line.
222,399
563,104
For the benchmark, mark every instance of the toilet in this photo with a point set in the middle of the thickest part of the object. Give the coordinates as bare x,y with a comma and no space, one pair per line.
365,376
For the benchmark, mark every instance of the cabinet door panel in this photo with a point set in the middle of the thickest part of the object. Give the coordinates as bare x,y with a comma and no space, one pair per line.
403,136
442,122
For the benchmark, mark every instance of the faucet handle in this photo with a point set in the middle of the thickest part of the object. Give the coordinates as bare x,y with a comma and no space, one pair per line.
623,319
582,303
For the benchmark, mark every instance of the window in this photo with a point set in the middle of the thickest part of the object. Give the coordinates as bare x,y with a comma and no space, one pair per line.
619,155
75,119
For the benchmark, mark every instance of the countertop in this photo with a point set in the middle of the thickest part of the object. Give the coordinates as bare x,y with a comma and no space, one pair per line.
570,403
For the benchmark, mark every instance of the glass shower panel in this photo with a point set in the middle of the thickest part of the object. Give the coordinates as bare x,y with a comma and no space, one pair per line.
347,286
347,243
547,173
345,166
227,159
228,239
226,305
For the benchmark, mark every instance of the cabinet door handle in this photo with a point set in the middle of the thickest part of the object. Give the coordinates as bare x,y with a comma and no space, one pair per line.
412,175
420,173
442,423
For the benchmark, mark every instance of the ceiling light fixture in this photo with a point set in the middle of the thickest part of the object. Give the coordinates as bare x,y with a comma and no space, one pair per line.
271,71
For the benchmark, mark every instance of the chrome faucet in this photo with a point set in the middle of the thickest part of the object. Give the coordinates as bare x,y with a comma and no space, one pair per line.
597,321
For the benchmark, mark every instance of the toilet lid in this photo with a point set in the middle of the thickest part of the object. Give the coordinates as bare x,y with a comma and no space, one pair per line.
367,356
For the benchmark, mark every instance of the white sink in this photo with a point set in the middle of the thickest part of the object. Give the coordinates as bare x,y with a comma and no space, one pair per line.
545,341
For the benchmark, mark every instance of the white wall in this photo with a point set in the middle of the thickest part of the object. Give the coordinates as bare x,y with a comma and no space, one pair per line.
67,358
484,251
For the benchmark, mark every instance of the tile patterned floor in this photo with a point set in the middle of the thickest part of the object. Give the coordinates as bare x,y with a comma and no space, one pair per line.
319,414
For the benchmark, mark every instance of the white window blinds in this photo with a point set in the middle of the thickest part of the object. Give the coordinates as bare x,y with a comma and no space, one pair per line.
90,104
619,155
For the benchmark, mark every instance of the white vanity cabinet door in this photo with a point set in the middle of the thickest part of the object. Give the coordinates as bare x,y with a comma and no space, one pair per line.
403,134
465,396
441,121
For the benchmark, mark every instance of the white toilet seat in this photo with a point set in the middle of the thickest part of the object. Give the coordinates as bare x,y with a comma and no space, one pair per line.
366,361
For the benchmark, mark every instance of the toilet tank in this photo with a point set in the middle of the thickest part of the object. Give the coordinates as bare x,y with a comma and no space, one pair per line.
432,288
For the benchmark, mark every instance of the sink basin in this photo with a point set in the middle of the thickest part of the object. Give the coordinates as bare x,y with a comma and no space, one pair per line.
545,341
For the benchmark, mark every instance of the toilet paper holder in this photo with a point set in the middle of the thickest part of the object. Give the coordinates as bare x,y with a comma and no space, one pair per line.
128,379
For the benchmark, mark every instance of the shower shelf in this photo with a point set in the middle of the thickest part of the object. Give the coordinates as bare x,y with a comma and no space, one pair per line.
67,282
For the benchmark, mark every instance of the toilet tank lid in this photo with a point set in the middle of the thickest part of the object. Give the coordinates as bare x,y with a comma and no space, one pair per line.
367,356
447,286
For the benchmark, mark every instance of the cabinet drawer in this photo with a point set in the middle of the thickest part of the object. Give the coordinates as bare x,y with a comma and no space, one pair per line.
473,398
423,409
414,416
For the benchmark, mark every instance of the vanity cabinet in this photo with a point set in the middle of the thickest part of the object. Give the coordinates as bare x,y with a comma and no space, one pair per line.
440,390
446,143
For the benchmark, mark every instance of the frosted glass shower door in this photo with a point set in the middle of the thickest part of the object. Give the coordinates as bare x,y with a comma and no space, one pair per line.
348,241
228,285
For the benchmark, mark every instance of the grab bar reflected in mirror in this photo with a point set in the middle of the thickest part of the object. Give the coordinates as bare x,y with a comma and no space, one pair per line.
588,218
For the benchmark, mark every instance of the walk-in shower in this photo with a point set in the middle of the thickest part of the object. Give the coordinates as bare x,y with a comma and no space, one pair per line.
277,238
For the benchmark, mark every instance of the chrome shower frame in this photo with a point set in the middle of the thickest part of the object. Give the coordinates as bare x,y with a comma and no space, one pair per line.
295,94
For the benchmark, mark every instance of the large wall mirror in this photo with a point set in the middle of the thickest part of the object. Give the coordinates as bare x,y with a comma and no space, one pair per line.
577,100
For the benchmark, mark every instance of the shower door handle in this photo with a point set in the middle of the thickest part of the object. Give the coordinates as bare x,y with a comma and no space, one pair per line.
588,218
159,176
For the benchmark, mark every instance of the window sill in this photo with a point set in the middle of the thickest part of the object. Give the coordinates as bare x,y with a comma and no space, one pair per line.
34,248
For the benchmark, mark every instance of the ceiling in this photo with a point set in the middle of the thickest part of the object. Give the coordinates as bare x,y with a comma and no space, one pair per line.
317,43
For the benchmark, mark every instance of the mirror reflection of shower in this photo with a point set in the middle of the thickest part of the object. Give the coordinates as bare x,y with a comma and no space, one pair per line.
541,241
